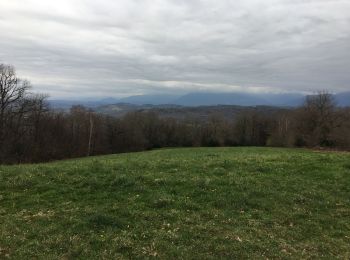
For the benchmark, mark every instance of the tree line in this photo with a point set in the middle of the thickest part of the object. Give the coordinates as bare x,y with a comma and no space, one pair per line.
30,131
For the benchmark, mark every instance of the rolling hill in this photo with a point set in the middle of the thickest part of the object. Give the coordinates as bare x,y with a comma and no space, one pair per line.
204,203
343,99
202,99
240,99
201,113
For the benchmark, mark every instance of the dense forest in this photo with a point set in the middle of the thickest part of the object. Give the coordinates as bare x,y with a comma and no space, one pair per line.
30,131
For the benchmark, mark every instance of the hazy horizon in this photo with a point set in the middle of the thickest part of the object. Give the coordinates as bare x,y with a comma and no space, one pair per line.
98,98
84,48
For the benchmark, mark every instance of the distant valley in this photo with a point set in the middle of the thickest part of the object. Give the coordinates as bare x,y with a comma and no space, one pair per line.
198,99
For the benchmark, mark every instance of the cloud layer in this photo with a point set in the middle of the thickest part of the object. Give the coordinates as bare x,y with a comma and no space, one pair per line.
124,47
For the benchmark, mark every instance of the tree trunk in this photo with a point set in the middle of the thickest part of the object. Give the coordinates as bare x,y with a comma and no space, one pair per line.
90,135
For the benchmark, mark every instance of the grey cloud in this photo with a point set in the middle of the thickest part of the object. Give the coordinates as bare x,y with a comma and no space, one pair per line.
117,48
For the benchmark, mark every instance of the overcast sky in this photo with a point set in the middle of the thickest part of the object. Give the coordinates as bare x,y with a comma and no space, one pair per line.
100,48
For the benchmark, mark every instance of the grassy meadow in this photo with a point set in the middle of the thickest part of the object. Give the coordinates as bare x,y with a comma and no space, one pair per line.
198,203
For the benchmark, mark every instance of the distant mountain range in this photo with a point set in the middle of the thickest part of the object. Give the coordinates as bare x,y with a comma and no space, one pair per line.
203,99
343,99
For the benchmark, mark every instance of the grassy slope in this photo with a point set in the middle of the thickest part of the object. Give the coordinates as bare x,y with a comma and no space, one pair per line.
188,203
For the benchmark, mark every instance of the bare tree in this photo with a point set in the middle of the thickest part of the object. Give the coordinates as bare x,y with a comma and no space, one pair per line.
12,89
317,119
12,92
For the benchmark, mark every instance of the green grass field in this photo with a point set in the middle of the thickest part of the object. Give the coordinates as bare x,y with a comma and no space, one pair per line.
203,203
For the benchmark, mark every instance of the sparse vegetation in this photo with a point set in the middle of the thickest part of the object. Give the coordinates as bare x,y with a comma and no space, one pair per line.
196,203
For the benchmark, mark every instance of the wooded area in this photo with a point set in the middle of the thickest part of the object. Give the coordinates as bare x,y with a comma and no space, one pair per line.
32,132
